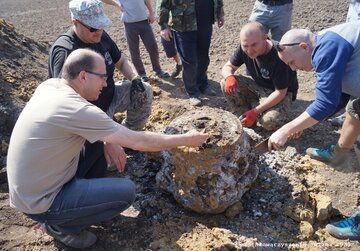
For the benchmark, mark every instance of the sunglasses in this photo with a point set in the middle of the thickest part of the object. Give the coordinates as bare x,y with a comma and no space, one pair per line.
280,47
91,29
104,76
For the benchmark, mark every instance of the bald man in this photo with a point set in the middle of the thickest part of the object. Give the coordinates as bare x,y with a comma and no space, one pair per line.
334,54
43,157
273,83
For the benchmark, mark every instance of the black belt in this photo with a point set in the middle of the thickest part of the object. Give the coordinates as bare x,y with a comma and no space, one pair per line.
274,2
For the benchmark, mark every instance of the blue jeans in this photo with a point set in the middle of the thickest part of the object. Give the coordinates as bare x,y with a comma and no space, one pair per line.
193,47
84,202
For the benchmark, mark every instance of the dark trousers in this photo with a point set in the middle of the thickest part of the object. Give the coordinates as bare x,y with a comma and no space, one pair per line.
143,30
193,47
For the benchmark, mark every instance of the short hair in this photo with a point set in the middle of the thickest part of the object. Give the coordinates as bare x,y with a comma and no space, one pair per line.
77,61
248,28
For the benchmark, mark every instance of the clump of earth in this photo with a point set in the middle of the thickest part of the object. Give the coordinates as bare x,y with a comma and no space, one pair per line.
287,206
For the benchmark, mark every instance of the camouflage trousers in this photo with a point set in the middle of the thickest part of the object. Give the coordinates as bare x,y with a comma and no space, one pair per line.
249,94
136,116
353,108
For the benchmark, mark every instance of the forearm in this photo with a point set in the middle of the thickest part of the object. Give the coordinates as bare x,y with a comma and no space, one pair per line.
154,142
300,123
273,99
149,6
112,2
228,69
147,141
124,66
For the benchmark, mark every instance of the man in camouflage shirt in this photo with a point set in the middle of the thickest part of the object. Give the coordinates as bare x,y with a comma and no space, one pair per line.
192,22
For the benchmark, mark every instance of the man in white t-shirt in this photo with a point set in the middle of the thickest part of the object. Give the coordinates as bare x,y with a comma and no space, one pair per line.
45,146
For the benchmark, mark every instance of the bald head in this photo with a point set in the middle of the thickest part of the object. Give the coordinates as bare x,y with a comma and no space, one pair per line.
80,60
252,29
296,47
297,36
253,39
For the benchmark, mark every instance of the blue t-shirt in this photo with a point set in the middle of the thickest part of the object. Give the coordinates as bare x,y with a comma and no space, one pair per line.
336,60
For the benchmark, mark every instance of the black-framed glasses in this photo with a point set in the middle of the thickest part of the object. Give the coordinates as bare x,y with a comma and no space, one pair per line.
104,76
280,47
91,29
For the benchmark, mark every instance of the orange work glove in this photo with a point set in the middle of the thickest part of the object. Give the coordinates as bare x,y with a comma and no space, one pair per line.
249,118
230,84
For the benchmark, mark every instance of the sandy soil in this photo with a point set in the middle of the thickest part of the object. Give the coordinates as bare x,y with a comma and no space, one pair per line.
272,215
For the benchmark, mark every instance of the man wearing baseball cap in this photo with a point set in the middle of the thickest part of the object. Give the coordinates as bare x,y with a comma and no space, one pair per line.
134,96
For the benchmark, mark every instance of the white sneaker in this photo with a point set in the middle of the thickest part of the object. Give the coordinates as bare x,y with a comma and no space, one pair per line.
195,101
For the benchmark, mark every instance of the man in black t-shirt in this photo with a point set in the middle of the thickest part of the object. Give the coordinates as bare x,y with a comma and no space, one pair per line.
272,88
134,97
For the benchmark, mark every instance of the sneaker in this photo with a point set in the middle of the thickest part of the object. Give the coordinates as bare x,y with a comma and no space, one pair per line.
84,239
209,91
338,121
348,228
325,155
144,77
176,71
195,101
162,74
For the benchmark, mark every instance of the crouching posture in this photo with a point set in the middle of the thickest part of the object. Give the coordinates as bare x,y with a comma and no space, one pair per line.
273,87
44,174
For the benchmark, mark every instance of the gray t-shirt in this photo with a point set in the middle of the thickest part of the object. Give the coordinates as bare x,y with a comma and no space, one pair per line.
46,141
134,11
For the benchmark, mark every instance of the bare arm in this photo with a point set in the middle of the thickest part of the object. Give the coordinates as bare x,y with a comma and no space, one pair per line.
113,3
125,67
151,16
153,142
228,69
273,99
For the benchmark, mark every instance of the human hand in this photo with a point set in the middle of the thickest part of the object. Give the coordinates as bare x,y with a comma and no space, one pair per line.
114,154
151,18
137,93
249,118
221,22
166,34
277,139
196,138
230,84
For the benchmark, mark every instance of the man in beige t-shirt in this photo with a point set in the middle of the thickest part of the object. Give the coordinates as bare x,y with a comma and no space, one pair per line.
45,146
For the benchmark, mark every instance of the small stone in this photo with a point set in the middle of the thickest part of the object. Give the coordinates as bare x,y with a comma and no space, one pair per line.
323,207
234,210
306,230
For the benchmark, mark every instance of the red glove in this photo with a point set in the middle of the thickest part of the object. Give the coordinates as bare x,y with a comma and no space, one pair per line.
249,118
230,84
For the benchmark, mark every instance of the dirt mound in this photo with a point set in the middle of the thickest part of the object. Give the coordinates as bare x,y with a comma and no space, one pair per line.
22,67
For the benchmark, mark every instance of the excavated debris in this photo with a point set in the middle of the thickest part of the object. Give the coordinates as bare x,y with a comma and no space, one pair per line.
210,178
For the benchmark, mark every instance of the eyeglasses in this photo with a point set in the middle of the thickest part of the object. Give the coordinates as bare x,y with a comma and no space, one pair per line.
280,47
91,29
104,76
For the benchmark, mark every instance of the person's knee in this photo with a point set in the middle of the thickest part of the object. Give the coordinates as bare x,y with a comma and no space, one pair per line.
126,191
271,120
